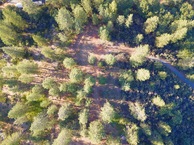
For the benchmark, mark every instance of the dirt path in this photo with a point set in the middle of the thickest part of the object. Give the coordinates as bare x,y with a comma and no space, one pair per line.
179,74
88,43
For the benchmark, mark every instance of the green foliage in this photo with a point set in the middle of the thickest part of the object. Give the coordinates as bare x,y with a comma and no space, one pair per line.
69,63
186,63
13,139
185,53
29,7
8,35
138,111
97,3
91,59
187,11
139,56
68,87
45,103
14,52
121,20
76,75
87,88
81,95
40,123
38,89
27,67
102,80
54,91
11,16
143,74
49,83
125,78
107,113
95,19
18,110
158,101
163,40
34,97
162,75
83,117
52,109
179,35
132,134
156,138
90,81
164,128
65,20
129,20
96,131
87,5
110,59
104,33
65,111
10,71
146,129
139,38
52,54
113,141
26,78
40,41
80,17
64,137
151,24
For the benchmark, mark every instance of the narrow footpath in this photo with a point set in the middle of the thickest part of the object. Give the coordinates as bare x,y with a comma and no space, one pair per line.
179,74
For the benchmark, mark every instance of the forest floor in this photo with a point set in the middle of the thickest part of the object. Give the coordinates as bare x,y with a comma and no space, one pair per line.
88,43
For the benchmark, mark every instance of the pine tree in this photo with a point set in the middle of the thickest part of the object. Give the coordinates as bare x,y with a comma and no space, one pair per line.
151,24
20,109
27,67
65,20
30,7
83,117
49,83
139,56
13,139
96,131
26,78
129,21
132,134
143,74
76,75
138,111
39,124
187,12
104,33
69,63
64,111
179,35
87,5
11,16
121,20
8,35
107,113
40,41
64,137
163,40
14,52
80,17
110,59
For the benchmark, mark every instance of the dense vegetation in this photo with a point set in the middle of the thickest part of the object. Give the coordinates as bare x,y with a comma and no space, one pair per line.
48,94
